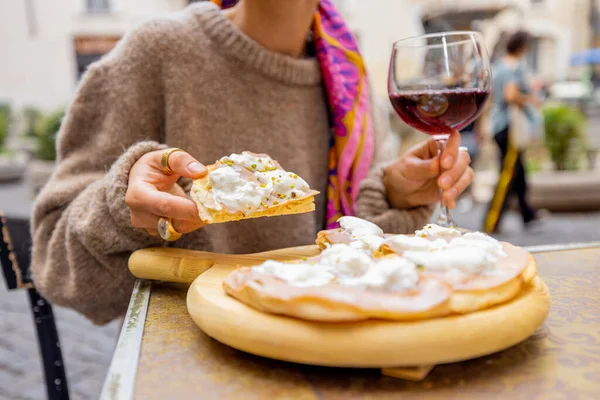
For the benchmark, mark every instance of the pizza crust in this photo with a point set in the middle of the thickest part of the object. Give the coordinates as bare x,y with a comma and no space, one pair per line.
466,301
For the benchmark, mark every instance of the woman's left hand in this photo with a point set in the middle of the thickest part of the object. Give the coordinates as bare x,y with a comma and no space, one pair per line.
414,179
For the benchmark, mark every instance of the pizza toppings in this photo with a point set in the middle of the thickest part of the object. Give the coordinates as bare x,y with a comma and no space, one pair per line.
248,182
434,230
344,260
480,241
298,275
457,257
250,161
358,233
234,193
469,260
368,244
347,267
358,228
388,274
402,243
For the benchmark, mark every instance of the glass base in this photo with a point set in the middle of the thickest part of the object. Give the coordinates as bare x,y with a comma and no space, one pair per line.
445,219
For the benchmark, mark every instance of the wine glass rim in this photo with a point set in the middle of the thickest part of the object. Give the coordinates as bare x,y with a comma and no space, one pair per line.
399,43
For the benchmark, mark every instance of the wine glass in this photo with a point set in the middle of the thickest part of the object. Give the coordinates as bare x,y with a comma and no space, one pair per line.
438,84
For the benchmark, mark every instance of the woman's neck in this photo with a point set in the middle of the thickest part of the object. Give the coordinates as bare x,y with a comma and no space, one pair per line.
280,26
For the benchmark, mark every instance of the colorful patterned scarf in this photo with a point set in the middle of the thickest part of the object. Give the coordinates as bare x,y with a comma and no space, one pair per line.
345,79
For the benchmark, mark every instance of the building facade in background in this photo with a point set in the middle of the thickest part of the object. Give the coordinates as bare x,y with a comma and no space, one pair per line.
560,28
45,46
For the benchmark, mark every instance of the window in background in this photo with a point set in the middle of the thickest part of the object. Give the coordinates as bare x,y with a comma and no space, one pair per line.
89,49
98,6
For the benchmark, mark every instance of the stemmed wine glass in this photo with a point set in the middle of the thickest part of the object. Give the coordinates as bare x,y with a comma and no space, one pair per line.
438,84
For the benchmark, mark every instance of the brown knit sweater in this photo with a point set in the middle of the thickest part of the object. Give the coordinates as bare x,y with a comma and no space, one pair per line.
194,81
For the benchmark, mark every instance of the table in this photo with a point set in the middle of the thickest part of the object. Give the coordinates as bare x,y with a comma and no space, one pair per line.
178,361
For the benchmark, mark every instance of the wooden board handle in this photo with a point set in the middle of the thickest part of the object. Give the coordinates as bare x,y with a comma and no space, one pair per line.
183,266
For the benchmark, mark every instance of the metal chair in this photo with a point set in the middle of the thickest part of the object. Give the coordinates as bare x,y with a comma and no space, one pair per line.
15,258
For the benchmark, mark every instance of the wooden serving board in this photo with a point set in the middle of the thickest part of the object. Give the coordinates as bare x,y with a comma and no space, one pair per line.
406,350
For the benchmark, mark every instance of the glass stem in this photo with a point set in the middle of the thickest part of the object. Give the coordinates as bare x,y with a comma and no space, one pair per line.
444,218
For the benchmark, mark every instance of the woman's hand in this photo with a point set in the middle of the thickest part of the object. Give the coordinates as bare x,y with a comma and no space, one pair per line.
414,179
152,194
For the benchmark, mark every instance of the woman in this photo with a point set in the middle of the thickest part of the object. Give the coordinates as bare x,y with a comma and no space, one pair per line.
511,88
215,82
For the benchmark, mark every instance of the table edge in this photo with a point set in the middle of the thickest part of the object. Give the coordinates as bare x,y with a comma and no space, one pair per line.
120,380
547,248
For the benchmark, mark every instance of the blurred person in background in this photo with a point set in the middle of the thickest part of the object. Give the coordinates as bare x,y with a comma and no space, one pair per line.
512,88
471,138
283,78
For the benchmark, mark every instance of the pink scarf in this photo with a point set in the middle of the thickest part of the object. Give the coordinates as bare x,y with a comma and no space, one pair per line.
345,79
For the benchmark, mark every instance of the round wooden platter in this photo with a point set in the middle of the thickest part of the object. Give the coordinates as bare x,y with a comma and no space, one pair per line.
369,344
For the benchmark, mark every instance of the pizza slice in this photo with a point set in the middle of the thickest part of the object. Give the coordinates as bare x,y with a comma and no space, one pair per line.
250,185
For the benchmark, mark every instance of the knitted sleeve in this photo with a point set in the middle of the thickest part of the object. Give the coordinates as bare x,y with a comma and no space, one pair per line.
81,228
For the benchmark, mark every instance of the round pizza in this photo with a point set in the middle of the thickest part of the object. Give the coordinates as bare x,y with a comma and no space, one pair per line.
362,274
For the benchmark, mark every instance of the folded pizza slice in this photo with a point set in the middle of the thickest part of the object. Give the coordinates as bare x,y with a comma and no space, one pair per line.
249,185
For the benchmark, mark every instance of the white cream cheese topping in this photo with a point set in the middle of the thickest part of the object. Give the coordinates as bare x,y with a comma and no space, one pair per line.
471,253
481,241
469,260
283,183
299,275
368,243
436,230
401,243
389,274
348,267
345,261
251,162
233,192
247,182
352,264
358,227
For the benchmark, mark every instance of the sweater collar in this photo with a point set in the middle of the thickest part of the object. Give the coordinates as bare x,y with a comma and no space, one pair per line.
236,44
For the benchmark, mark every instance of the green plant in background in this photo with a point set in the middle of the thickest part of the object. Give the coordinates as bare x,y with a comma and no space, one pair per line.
47,130
532,166
32,119
5,118
564,139
3,130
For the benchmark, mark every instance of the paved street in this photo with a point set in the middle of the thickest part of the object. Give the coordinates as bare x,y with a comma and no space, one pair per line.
88,349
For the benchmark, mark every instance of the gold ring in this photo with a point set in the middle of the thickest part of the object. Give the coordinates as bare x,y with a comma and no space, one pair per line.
166,230
164,160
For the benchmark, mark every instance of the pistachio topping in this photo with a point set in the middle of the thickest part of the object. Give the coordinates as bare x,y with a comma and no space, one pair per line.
248,182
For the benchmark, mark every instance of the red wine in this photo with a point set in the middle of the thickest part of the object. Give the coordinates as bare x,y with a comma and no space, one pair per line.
440,111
